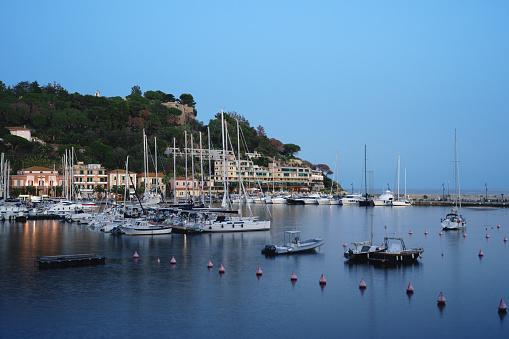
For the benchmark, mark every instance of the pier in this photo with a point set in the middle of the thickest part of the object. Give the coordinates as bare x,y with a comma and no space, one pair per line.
71,260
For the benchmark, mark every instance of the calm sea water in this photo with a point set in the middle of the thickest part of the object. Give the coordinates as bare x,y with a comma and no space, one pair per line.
128,298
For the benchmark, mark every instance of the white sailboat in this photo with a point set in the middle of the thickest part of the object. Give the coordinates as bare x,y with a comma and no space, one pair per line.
225,222
401,201
453,220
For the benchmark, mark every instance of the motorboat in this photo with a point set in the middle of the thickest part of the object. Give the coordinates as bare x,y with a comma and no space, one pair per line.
293,244
228,223
351,199
395,252
385,199
144,227
279,200
362,250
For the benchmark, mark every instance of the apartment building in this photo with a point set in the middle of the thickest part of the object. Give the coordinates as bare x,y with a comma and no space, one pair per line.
87,177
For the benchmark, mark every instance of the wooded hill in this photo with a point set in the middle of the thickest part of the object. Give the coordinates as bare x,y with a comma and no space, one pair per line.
105,130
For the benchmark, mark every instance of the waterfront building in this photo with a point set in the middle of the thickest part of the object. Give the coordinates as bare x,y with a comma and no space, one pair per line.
87,177
153,181
119,178
44,180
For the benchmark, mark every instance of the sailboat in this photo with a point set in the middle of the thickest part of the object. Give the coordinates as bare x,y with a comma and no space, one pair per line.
365,201
361,250
223,220
453,220
401,201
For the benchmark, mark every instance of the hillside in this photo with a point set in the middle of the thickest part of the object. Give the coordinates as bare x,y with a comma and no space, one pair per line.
106,130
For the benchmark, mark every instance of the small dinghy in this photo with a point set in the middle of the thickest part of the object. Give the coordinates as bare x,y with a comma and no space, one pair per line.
293,244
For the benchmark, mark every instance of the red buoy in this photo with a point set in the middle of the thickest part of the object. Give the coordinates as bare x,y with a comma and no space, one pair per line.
426,232
294,276
487,236
362,283
221,269
481,253
322,280
441,299
158,260
259,271
173,261
464,235
502,307
410,232
135,255
498,226
209,265
440,233
410,288
442,254
345,245
505,239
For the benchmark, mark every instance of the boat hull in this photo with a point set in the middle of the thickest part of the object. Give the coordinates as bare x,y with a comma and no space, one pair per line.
237,226
304,246
150,230
401,258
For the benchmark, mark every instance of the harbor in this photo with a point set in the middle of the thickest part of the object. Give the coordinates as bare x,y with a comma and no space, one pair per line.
150,296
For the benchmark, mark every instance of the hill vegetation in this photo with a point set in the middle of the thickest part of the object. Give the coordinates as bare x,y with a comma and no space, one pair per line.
105,130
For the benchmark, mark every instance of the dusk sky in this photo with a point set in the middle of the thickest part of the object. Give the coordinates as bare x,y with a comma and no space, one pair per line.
398,76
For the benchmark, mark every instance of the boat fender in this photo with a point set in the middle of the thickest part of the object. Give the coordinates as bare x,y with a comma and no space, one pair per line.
210,227
242,225
222,225
233,225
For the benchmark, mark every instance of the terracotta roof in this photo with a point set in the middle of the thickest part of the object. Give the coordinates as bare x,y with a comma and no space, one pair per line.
18,128
150,175
37,169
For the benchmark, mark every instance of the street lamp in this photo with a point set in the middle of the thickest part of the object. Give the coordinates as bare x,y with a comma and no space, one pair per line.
486,197
352,187
443,191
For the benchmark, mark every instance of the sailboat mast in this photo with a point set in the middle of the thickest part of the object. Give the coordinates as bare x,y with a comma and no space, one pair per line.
210,171
192,168
457,174
224,159
201,169
238,159
185,154
174,173
398,174
365,174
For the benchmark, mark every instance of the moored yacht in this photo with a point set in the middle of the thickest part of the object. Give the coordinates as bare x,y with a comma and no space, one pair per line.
385,199
351,199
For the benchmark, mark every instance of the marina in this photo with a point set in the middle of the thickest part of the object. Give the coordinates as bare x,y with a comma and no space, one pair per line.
168,298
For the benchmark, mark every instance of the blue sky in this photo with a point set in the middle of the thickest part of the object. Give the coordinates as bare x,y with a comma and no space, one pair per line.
398,76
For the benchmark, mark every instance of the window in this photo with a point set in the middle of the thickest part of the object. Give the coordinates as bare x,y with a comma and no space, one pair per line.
89,172
81,172
89,180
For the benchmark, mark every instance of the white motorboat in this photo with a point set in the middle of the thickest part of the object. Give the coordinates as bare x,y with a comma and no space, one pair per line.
279,200
144,227
293,244
351,199
385,199
226,223
324,201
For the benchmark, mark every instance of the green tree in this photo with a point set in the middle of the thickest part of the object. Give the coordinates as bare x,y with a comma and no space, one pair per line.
136,90
291,149
187,99
15,143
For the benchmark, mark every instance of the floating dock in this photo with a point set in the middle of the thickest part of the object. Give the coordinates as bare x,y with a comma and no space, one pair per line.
71,260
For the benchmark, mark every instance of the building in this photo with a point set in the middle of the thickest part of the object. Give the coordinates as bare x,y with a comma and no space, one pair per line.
21,132
87,177
254,176
317,178
153,181
44,180
119,178
178,185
